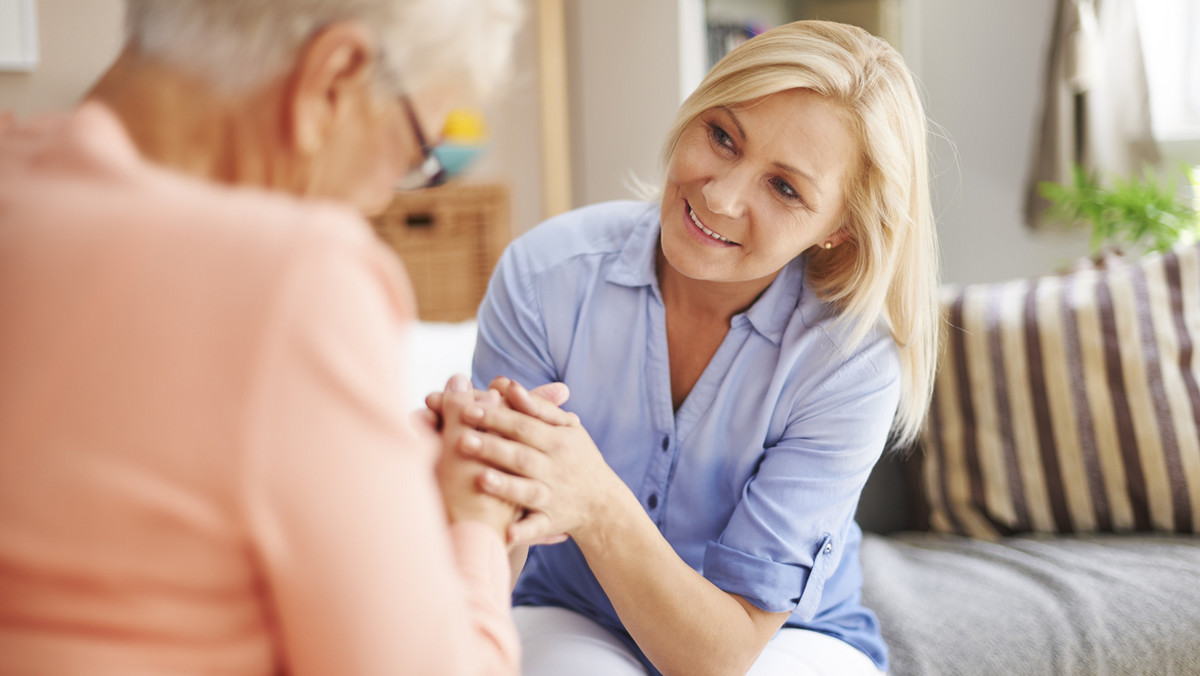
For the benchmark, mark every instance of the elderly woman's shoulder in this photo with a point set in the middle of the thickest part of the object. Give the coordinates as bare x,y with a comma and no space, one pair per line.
198,228
267,221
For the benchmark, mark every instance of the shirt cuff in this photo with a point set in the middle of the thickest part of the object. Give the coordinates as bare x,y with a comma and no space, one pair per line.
770,585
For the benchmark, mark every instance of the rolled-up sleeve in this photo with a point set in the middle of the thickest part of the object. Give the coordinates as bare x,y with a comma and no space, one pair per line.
784,539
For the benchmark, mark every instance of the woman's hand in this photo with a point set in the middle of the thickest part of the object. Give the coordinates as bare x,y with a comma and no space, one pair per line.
547,462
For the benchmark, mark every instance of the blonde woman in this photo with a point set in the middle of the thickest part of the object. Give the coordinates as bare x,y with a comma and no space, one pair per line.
738,355
205,466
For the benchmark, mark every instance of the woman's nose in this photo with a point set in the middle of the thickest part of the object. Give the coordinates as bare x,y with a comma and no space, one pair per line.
724,194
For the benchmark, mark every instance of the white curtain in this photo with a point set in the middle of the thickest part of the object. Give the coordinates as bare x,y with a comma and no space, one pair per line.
1096,103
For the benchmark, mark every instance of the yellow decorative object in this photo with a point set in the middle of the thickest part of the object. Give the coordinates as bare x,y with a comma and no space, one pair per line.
465,127
464,136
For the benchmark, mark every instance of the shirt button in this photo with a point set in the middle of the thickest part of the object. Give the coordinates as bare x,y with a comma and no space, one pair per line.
666,443
652,501
828,548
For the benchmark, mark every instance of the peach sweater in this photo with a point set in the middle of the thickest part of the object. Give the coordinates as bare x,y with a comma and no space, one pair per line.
203,464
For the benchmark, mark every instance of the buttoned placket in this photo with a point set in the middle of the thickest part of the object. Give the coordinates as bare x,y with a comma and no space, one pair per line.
653,491
673,427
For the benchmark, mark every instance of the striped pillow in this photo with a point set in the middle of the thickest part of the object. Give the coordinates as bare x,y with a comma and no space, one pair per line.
1070,404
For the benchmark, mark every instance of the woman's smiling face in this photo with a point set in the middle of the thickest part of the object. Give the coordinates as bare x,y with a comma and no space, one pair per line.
749,187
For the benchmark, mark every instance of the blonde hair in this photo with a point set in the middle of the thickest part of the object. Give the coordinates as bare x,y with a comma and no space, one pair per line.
236,45
888,266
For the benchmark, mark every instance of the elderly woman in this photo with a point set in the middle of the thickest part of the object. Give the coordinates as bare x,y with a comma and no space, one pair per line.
204,467
738,354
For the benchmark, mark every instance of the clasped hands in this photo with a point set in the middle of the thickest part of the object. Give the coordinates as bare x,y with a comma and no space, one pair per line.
514,459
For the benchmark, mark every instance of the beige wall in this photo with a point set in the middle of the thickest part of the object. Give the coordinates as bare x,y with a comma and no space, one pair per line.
624,72
76,41
514,152
980,65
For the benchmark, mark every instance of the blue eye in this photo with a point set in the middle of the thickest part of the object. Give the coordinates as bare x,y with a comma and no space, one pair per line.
783,188
720,136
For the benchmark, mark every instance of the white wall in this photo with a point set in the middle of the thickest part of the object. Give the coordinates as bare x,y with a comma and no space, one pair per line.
981,65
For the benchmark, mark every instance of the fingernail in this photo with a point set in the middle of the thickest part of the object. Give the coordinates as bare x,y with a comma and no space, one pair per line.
491,479
471,441
459,383
473,413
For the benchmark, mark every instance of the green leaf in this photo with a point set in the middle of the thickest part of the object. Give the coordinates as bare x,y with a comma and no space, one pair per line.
1136,213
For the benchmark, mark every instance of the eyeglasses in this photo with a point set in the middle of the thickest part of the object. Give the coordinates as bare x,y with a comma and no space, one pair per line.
430,172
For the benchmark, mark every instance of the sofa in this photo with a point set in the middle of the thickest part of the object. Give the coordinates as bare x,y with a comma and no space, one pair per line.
1046,522
1094,604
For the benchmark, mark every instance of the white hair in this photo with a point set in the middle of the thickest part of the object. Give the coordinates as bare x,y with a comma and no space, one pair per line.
236,45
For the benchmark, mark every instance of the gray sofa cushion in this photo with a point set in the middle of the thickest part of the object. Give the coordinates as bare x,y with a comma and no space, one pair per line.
1110,604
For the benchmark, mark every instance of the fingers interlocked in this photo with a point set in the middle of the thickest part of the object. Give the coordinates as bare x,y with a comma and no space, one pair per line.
518,435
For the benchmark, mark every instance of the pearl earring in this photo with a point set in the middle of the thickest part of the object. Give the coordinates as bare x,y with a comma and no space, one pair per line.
828,245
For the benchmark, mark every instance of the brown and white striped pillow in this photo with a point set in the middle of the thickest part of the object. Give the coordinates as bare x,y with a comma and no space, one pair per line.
1070,404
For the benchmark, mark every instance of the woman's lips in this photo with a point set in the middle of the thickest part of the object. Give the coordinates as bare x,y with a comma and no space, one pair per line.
698,228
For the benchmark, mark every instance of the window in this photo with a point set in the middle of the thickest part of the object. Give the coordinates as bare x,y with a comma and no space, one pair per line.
18,35
1168,31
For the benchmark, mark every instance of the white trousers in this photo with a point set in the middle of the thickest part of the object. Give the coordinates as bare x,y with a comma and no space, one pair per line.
558,642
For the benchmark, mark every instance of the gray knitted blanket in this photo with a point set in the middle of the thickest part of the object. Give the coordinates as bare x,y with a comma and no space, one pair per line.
1094,606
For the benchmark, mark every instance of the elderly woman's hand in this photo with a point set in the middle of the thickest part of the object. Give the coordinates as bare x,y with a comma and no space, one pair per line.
555,393
458,476
458,473
547,463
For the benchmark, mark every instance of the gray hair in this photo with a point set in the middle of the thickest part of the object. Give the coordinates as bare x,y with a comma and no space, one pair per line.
236,45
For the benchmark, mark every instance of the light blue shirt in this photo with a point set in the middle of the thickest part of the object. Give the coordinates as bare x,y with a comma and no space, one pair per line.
755,479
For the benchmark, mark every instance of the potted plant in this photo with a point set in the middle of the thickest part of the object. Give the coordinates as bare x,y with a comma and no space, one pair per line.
1129,216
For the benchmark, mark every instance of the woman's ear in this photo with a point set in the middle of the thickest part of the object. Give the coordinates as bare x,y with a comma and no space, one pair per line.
332,73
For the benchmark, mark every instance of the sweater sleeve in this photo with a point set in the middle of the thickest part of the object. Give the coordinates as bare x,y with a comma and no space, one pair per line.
344,516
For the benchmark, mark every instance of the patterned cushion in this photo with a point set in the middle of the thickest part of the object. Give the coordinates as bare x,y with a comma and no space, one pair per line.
1070,404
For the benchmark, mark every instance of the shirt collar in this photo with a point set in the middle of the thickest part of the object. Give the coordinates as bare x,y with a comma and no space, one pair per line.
769,315
773,310
635,265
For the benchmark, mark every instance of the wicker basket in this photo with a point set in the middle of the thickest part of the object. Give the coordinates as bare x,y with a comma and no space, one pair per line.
449,238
